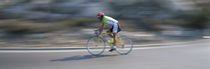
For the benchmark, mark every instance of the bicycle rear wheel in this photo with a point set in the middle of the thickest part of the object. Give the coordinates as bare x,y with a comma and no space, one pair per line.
96,46
124,45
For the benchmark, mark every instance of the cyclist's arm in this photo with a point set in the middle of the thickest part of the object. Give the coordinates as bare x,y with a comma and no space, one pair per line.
102,27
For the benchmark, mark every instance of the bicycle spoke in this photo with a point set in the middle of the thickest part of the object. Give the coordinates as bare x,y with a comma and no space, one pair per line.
95,46
124,46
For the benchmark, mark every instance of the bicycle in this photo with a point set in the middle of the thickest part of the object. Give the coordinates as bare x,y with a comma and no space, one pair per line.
97,44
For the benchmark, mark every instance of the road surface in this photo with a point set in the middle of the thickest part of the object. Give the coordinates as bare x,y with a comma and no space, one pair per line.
191,55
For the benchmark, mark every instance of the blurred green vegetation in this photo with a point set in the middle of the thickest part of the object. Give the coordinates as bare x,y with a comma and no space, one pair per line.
77,22
23,26
60,14
2,13
20,26
153,24
197,20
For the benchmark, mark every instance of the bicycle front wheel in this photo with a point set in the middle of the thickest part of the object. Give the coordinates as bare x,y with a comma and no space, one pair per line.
125,45
96,46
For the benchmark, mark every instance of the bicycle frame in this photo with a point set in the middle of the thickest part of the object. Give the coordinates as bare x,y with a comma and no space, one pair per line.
121,42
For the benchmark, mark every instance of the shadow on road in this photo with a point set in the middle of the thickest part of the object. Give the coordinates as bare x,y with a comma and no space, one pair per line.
85,57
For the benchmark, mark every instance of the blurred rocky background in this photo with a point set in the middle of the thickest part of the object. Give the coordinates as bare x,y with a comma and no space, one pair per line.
38,23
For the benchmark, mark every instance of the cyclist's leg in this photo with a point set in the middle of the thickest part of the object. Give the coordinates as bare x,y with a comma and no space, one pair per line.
115,31
110,32
115,39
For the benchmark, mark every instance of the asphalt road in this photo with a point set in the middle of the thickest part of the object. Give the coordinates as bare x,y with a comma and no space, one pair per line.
191,55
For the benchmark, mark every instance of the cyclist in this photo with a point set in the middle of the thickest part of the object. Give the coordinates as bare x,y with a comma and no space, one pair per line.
113,31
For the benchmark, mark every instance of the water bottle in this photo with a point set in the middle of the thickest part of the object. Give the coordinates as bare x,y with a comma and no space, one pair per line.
109,42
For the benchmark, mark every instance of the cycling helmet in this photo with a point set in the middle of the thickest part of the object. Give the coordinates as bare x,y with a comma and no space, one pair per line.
100,14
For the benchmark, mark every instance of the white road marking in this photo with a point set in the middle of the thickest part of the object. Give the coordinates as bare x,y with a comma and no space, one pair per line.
81,50
39,51
206,37
174,43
